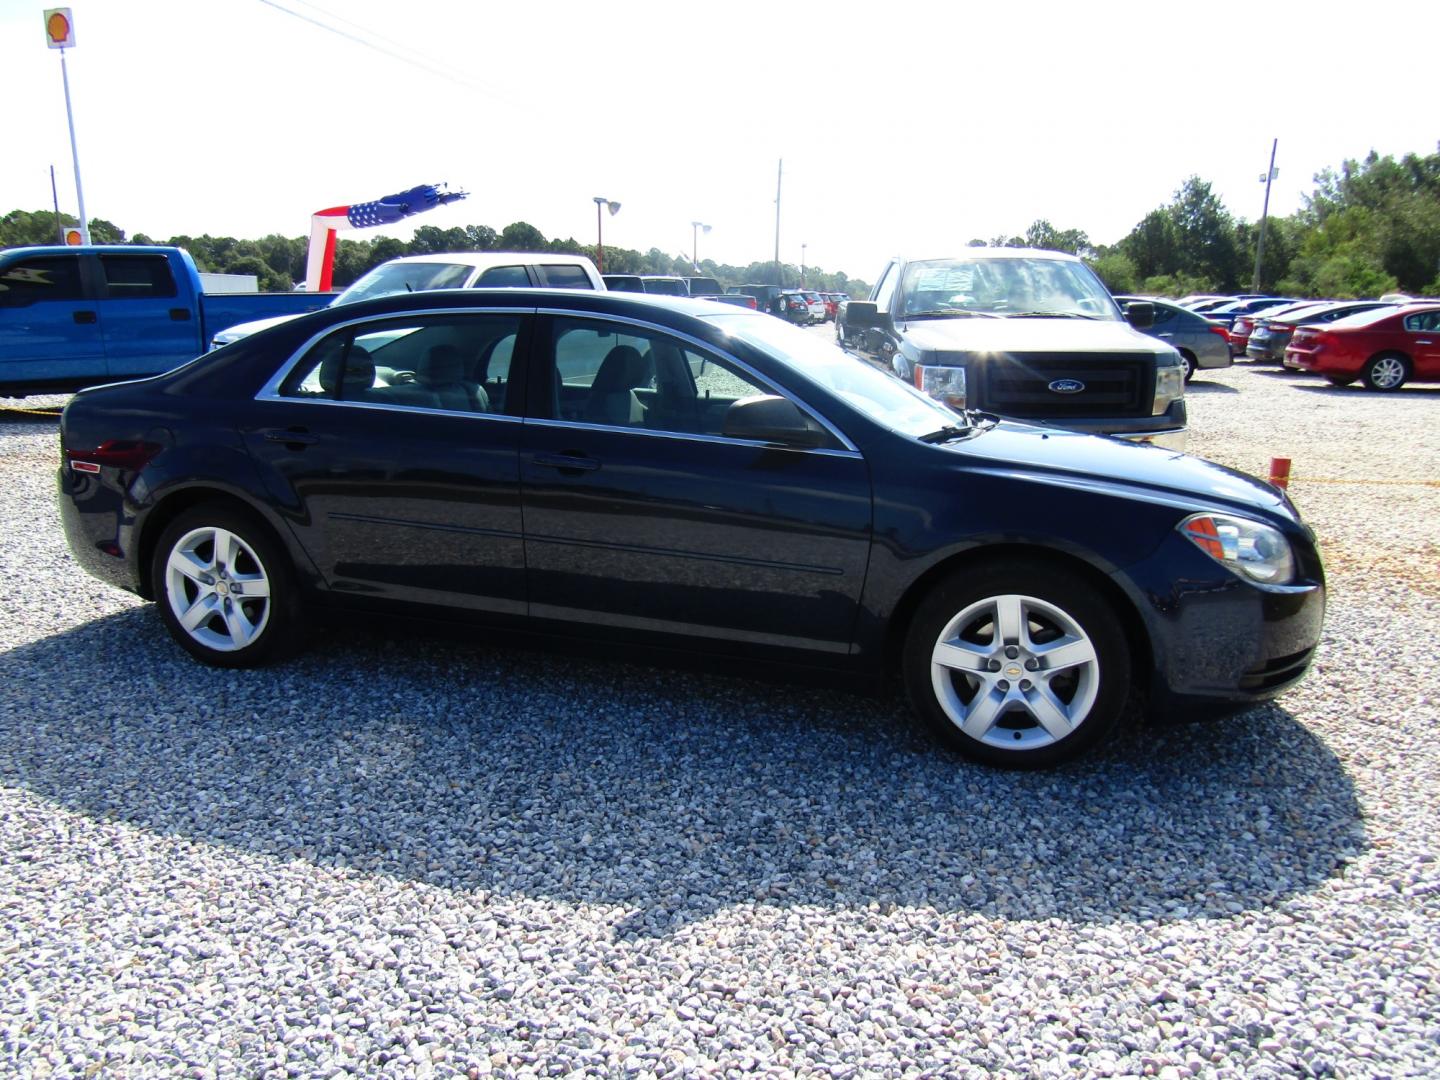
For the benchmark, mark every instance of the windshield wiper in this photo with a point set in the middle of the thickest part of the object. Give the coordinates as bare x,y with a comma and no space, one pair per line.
1050,315
948,313
945,434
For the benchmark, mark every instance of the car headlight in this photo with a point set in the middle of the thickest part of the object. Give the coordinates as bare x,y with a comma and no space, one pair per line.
1169,384
1248,548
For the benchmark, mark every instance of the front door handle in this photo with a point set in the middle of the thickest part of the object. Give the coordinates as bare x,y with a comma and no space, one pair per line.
567,462
84,317
293,437
179,314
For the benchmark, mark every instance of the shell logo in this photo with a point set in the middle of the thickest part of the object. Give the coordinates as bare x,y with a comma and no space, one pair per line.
59,28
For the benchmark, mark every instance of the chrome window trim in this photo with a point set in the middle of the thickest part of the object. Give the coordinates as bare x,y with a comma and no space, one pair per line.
271,390
849,447
690,436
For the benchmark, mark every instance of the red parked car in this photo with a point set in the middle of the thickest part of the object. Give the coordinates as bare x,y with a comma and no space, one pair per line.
1386,348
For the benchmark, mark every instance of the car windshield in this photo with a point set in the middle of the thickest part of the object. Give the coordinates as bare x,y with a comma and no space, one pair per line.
405,277
882,397
1007,286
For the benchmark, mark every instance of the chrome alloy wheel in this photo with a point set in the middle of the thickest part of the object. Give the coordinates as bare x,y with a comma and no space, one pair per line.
1015,672
1387,372
217,588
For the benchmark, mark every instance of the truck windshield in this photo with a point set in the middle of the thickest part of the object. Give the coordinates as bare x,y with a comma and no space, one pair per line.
405,277
880,396
1033,287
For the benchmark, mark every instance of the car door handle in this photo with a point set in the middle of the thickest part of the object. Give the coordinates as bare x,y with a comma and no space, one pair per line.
179,314
291,436
84,316
1422,341
578,462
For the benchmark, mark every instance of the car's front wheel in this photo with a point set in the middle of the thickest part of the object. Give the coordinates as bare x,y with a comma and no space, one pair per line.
225,588
1017,664
1388,371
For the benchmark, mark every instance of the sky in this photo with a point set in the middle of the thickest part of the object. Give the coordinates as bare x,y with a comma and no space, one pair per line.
904,127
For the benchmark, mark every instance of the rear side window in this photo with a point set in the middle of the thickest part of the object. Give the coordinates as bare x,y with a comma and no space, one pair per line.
46,277
504,277
449,363
1425,320
565,276
137,277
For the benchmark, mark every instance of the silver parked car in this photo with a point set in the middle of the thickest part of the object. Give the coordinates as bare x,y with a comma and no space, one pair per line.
1201,342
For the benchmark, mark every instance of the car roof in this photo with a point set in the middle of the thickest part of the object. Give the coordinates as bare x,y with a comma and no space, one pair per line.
995,253
486,259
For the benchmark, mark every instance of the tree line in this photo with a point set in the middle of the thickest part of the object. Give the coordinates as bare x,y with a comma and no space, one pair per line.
279,261
1370,227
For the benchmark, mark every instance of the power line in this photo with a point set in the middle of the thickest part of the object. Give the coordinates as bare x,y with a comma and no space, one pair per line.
373,41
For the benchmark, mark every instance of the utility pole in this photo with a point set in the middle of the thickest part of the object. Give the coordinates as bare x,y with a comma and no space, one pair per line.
802,265
779,175
1264,214
55,197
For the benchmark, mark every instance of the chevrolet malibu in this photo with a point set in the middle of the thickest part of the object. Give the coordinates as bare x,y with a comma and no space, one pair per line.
672,473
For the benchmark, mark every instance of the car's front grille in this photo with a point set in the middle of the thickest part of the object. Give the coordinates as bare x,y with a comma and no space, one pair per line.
1029,385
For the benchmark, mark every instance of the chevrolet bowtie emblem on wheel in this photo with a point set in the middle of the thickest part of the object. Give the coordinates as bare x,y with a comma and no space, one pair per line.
1067,386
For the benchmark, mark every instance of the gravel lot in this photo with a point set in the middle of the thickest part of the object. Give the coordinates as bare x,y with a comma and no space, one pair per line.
412,858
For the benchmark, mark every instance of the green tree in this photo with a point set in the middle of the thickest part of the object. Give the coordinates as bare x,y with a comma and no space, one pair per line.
522,236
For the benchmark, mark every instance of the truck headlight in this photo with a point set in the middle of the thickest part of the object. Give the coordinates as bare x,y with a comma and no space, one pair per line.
1248,548
944,384
1169,385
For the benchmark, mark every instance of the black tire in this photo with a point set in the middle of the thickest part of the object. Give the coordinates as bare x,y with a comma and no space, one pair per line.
1386,372
1080,701
1190,365
1340,380
229,627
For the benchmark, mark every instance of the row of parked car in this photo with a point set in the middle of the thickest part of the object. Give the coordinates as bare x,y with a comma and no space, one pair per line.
1384,343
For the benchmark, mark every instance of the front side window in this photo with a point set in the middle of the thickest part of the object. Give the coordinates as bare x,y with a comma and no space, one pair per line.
624,376
885,291
453,363
46,277
137,277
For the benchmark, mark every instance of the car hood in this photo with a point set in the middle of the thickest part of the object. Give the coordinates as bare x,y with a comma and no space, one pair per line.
1073,458
1027,335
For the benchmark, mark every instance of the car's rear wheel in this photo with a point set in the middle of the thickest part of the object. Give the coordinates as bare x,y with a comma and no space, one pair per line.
1386,372
1190,364
1017,664
225,588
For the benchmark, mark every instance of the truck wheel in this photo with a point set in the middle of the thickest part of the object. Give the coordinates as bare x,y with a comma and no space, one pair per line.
226,590
1017,664
1386,372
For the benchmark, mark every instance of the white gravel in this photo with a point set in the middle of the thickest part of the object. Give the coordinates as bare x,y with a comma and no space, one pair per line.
416,858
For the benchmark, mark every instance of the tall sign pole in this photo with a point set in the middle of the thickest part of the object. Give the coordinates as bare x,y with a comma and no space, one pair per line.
60,34
779,176
1264,214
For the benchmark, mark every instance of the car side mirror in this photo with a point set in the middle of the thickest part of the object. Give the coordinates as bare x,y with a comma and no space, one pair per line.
861,314
772,419
1140,314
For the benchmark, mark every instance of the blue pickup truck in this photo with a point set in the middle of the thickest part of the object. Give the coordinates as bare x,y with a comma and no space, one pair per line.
76,316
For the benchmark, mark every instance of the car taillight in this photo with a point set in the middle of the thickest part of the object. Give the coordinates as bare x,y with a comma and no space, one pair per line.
1219,330
116,453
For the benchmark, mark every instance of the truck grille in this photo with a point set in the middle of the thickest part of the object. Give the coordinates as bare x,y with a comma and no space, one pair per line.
1019,384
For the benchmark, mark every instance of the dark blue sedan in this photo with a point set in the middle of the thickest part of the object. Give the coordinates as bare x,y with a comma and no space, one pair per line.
674,473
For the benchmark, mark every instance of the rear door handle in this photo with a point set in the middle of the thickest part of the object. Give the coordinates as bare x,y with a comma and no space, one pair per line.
578,462
291,436
84,316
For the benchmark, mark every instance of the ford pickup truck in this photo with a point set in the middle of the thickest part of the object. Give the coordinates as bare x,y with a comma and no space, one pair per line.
76,316
1027,334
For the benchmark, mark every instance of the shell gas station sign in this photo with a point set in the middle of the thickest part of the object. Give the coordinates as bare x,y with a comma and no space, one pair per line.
59,28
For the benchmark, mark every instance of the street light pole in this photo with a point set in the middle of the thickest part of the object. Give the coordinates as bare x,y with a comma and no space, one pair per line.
1264,214
600,201
802,264
695,227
